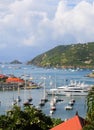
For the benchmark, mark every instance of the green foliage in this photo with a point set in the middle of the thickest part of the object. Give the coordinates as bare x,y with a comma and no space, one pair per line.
3,79
90,111
90,104
67,55
27,119
56,121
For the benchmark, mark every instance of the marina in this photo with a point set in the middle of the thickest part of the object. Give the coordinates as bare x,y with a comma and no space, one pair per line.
48,79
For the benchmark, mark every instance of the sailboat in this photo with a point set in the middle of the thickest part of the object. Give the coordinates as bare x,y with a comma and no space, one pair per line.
45,95
44,99
30,97
26,103
53,102
52,107
70,104
42,103
14,102
72,101
18,98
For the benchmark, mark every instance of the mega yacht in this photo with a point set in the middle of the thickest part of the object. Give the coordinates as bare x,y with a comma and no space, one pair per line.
74,88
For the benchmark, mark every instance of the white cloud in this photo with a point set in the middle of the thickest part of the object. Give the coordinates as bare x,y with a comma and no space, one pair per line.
75,23
23,18
45,23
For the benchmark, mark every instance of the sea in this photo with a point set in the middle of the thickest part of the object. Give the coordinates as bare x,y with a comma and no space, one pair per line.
50,78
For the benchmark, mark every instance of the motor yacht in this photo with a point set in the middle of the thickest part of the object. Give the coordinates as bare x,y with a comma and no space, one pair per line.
72,89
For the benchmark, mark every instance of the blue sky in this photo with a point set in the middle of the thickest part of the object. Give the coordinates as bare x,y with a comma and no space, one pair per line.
31,27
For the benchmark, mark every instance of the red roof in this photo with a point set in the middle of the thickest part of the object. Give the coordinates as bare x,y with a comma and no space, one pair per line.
14,79
2,76
74,123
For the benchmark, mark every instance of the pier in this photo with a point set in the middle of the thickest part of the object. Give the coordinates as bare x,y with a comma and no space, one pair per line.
10,86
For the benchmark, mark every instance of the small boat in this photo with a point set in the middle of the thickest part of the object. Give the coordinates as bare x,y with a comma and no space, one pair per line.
44,99
71,103
29,96
27,103
14,102
53,107
73,100
18,99
51,111
29,99
68,107
52,102
59,100
42,103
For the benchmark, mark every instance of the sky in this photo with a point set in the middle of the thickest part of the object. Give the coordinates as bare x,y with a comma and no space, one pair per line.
31,27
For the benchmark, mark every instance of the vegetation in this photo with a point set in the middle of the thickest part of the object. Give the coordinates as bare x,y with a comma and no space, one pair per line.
15,62
90,111
27,119
75,55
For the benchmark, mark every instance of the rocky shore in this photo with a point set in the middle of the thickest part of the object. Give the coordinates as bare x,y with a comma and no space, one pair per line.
91,75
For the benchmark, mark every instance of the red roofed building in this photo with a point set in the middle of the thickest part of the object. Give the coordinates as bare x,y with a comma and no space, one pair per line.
2,76
74,123
14,80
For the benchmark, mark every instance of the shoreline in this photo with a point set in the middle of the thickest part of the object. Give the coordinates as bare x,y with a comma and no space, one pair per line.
91,75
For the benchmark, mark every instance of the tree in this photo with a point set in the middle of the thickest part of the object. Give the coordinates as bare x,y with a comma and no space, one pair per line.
90,111
26,119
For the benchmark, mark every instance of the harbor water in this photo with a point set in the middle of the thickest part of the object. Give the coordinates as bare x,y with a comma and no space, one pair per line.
51,78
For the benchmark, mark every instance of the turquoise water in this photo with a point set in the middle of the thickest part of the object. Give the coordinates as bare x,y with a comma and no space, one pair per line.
39,75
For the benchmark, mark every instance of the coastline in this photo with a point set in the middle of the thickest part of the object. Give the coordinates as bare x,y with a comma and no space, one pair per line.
91,75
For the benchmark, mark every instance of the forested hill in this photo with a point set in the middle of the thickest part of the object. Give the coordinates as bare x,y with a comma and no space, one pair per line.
74,55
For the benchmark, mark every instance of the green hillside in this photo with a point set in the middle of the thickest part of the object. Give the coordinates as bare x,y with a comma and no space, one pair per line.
74,55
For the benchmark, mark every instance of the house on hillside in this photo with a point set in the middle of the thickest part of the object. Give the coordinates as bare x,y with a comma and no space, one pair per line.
74,123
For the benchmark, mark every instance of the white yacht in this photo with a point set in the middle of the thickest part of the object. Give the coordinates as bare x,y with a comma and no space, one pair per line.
74,88
68,107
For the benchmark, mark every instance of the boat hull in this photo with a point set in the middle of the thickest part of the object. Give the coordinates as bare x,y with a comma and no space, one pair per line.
67,93
72,89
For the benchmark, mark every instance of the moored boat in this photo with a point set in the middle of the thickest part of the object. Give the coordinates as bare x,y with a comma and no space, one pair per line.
18,99
29,99
42,103
68,107
74,88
